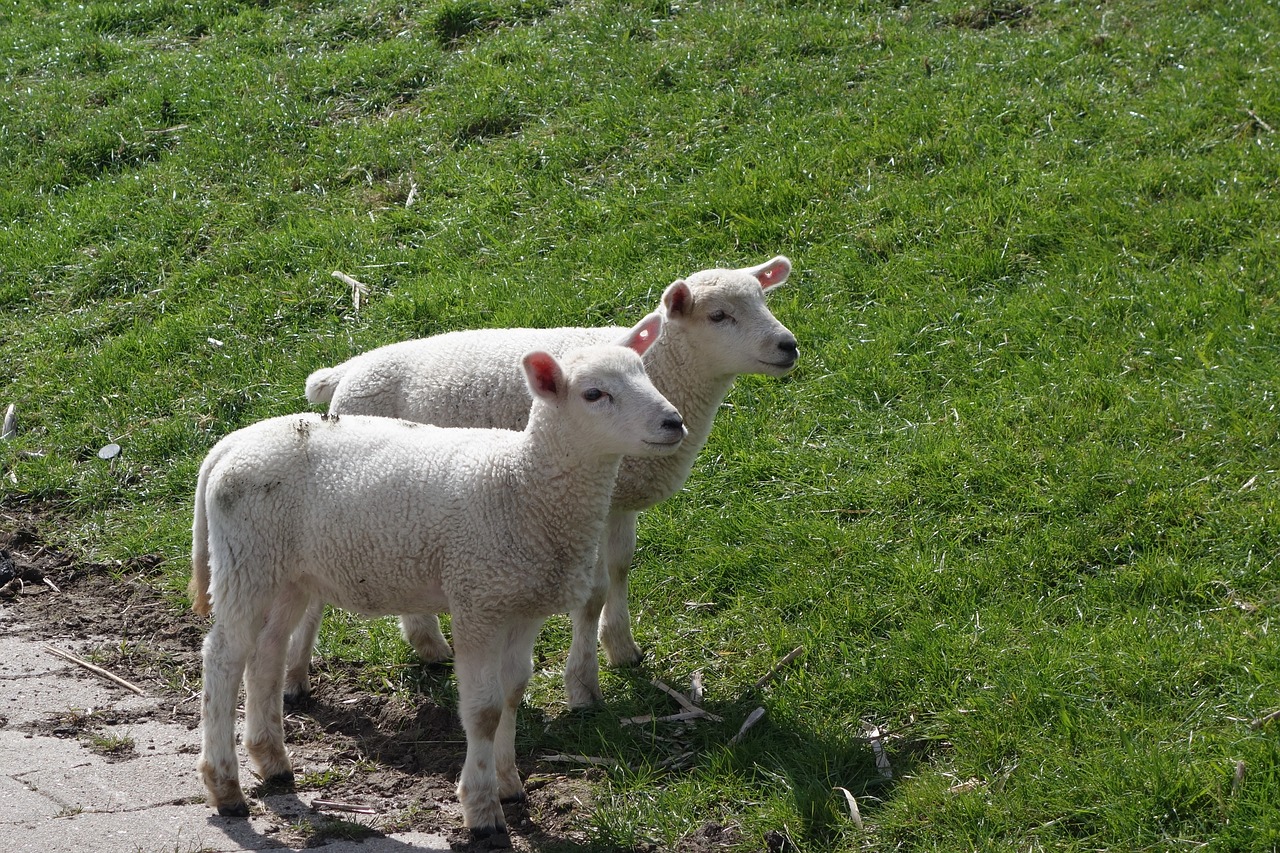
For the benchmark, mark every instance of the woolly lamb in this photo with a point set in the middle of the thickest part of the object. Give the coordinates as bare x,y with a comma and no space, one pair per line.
718,326
381,516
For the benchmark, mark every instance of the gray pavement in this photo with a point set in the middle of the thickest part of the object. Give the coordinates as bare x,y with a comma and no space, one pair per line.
59,795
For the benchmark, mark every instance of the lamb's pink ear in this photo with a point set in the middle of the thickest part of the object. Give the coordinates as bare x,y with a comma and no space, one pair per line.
772,273
677,298
544,375
642,335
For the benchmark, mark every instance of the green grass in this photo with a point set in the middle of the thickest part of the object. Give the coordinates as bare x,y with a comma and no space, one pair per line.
1019,501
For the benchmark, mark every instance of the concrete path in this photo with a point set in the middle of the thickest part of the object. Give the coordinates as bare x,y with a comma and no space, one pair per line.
58,794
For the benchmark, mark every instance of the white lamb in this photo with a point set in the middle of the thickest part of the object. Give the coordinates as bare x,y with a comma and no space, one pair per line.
382,516
717,327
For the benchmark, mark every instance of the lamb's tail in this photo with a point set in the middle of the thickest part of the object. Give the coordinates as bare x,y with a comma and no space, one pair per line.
322,383
198,588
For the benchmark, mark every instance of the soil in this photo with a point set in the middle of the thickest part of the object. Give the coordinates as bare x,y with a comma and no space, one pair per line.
400,756
395,755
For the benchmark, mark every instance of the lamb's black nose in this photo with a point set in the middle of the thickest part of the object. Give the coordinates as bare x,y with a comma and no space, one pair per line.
790,347
673,422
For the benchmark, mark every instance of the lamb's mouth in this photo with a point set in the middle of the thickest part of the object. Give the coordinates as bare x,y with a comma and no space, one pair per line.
671,443
781,365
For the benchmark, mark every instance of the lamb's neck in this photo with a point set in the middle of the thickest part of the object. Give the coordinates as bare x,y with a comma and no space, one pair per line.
694,392
645,480
577,483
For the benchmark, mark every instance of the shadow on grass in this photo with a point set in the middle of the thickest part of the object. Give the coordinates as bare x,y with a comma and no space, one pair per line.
779,750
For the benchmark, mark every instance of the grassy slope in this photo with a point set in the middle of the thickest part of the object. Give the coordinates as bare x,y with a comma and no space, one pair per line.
1011,503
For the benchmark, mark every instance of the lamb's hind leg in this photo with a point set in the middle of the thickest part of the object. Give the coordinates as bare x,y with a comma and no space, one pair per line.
297,674
582,669
226,648
620,647
422,631
264,675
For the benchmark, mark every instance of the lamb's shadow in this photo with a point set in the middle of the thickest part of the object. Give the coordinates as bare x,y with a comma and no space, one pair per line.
779,750
405,750
419,736
306,827
424,739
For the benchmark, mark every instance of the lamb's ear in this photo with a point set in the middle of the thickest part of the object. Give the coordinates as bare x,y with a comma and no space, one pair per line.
771,273
677,298
642,335
544,375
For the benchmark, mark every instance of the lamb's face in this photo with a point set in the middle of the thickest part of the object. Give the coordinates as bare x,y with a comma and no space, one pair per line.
613,397
722,318
607,401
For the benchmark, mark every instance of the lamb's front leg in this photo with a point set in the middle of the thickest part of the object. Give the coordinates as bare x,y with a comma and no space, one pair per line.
620,647
477,666
582,669
517,669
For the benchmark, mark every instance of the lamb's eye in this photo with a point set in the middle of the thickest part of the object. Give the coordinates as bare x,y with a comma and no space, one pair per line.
592,394
717,316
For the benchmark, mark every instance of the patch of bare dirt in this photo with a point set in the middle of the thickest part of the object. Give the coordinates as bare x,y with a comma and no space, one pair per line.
987,15
710,837
352,746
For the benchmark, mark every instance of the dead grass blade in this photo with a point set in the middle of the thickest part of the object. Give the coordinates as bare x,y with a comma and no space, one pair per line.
875,736
358,289
752,718
571,758
683,716
96,670
684,701
854,811
330,805
777,667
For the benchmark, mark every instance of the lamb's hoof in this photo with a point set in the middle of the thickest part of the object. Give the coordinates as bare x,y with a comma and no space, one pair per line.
494,837
435,657
511,799
297,699
278,783
584,701
633,656
240,809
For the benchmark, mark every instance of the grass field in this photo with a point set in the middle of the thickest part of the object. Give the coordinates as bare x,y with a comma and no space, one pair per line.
1019,502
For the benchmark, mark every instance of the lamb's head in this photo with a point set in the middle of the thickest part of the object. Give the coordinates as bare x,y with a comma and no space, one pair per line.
603,398
721,319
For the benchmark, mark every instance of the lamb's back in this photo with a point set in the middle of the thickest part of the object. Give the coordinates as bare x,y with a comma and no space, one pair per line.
458,379
329,495
385,516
